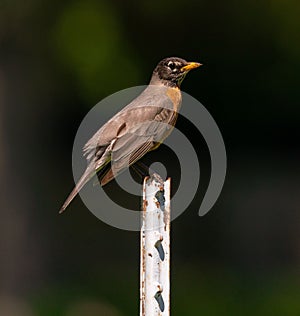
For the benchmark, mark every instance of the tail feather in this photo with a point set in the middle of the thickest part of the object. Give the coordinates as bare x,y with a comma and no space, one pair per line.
88,174
107,177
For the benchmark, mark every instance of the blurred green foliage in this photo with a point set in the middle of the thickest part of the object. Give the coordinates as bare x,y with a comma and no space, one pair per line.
89,40
194,292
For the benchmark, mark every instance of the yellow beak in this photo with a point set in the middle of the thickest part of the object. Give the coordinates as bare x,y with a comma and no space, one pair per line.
190,66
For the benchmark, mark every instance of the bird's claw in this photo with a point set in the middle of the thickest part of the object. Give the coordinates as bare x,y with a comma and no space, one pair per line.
155,177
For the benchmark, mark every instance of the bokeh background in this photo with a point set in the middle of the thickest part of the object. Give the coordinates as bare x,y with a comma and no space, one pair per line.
57,60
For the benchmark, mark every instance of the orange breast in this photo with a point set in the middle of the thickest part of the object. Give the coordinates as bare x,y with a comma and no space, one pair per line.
175,95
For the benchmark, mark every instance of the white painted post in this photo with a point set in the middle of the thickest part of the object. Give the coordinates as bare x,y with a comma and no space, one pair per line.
155,251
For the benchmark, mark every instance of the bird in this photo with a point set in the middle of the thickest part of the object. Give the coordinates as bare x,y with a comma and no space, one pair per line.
140,127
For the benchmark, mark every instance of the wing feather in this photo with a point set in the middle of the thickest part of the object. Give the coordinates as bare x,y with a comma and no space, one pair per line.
142,138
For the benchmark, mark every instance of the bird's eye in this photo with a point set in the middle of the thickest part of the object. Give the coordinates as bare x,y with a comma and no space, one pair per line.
171,65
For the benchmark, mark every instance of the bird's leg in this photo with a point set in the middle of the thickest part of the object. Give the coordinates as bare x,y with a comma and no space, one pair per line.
153,175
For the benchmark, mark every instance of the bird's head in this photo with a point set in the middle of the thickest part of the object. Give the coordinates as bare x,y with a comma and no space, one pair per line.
171,71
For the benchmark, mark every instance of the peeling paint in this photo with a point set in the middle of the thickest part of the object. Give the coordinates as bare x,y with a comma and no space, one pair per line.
155,252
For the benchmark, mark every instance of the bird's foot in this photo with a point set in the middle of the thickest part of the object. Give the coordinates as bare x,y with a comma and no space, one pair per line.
142,170
156,178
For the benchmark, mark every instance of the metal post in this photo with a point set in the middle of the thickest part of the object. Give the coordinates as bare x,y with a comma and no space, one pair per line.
155,249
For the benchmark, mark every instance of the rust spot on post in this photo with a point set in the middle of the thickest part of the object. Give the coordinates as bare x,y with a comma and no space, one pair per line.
145,204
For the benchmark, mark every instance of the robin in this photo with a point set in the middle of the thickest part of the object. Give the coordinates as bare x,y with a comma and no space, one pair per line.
139,127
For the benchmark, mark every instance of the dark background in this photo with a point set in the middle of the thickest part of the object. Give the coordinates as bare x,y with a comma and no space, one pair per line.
57,60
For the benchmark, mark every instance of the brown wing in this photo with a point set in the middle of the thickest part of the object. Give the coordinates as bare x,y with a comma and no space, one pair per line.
152,103
118,167
137,141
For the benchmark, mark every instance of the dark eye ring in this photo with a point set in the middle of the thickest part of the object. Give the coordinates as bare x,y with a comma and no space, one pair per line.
171,65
